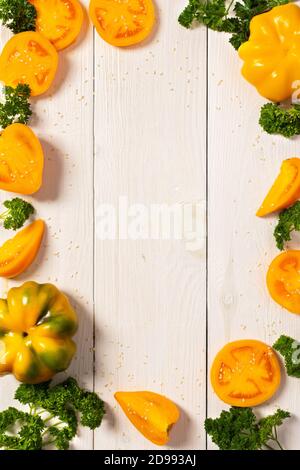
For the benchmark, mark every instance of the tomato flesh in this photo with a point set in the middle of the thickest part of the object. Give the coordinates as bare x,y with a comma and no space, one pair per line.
59,20
285,190
245,373
21,160
283,280
123,22
29,58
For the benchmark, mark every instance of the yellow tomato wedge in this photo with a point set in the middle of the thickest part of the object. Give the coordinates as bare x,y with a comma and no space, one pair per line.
153,415
285,190
17,254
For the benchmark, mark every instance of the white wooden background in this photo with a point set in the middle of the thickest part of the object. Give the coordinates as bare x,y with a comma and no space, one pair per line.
168,121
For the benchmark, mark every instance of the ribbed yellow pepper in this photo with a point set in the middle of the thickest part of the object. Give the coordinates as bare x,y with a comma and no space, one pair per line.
37,323
272,54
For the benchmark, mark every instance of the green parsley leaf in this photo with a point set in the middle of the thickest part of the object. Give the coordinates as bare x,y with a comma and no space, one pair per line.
230,17
18,15
64,403
15,106
275,119
289,220
235,429
289,348
268,427
29,437
18,211
239,429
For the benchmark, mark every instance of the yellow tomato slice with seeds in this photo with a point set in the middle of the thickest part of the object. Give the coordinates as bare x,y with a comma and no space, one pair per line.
29,58
59,20
17,254
283,280
245,373
21,160
123,22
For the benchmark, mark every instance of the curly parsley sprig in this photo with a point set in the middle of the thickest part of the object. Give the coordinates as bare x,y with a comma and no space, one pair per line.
230,17
53,417
289,348
15,105
239,429
16,213
276,119
18,15
289,220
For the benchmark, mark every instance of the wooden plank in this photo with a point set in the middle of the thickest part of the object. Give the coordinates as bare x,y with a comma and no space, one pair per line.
243,162
150,129
63,120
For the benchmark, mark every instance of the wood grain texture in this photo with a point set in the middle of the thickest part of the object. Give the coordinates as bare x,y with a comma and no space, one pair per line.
243,162
150,127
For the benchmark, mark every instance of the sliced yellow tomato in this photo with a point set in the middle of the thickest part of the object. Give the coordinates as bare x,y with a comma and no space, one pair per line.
17,254
283,280
59,20
123,22
29,58
285,190
245,373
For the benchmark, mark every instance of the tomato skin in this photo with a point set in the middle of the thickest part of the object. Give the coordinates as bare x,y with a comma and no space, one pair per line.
60,21
153,415
18,253
285,190
22,160
111,19
29,58
283,280
245,373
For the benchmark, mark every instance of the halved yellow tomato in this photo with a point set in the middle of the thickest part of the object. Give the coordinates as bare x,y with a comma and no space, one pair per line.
17,254
31,59
245,373
21,160
283,280
285,190
59,20
123,22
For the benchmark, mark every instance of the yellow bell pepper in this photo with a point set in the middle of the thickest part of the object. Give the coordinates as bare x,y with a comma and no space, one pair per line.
272,54
37,323
152,414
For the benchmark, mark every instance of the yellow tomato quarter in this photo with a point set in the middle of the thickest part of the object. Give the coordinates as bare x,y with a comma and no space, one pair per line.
153,415
18,253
